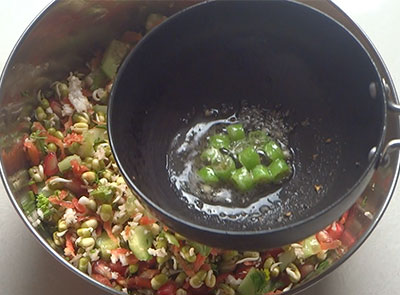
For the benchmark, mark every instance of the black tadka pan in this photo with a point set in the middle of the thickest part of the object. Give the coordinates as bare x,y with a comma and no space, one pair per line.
274,54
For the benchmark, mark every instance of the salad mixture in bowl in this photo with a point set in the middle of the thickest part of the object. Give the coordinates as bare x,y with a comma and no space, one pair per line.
98,225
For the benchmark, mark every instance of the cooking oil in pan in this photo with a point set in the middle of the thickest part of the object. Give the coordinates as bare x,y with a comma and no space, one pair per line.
183,162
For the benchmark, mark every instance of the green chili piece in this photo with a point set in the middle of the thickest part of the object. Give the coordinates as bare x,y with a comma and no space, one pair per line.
262,174
279,169
208,176
249,158
210,155
273,151
236,131
220,141
243,179
223,167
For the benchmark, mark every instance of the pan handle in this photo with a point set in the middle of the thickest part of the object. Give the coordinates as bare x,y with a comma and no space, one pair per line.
393,144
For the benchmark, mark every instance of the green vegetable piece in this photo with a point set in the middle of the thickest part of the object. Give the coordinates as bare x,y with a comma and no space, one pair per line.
105,244
103,194
98,108
140,240
243,179
65,164
249,158
273,151
99,79
43,203
257,138
113,57
286,257
262,174
219,141
200,248
90,137
207,175
238,146
311,246
210,155
171,239
279,170
236,132
254,283
223,167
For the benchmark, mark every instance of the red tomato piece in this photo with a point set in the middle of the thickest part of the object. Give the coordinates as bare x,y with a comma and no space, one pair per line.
168,288
118,267
335,230
56,107
50,164
138,282
101,279
78,169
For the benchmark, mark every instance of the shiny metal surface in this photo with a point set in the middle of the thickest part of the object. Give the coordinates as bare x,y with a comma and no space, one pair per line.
89,25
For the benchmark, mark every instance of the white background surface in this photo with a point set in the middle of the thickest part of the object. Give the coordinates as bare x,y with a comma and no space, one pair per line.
26,268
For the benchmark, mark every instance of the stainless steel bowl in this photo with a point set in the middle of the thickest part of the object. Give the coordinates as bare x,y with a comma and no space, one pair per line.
67,33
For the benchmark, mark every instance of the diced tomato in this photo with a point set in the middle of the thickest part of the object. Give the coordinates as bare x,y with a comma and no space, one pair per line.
242,271
168,288
58,143
149,273
145,220
274,292
199,262
335,230
274,252
205,267
78,206
187,268
56,201
33,152
305,269
86,92
101,279
70,138
118,267
138,282
222,277
108,229
78,169
76,186
50,164
131,37
56,107
323,237
331,245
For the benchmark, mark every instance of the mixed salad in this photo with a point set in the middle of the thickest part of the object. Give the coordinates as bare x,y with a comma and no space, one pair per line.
78,196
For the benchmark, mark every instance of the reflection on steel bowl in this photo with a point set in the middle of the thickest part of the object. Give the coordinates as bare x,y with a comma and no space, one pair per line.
60,174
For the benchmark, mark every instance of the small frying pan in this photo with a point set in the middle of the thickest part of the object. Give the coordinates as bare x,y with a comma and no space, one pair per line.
277,55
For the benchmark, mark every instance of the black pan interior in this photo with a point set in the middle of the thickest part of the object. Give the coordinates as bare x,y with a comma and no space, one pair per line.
276,54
